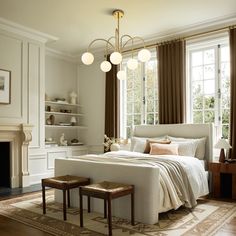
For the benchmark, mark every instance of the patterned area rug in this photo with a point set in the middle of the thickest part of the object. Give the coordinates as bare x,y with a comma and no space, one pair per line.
205,219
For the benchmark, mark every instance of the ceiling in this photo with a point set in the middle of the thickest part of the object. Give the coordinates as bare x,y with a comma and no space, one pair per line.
77,22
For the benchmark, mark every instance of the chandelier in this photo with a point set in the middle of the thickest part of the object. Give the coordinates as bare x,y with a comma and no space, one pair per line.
116,48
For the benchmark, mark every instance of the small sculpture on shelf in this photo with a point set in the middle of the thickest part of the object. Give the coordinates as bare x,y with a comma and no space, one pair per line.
63,141
73,96
73,121
50,120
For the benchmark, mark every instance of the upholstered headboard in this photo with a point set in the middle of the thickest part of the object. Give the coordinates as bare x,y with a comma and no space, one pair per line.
179,130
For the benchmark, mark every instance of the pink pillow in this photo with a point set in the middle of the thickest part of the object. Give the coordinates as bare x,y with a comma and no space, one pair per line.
148,141
163,149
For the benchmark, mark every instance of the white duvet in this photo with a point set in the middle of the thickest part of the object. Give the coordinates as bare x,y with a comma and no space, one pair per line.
172,196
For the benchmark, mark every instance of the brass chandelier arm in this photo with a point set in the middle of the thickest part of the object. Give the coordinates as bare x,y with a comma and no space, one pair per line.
122,37
116,49
132,38
104,40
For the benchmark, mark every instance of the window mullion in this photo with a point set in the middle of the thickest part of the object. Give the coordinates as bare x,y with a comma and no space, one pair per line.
144,103
218,93
190,94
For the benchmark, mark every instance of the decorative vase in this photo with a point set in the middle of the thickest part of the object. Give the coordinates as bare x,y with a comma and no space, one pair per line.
73,96
115,147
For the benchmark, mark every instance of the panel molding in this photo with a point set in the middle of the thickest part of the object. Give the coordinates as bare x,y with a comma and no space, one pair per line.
20,117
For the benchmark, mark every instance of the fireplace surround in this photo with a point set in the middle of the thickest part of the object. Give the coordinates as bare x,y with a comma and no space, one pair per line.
19,136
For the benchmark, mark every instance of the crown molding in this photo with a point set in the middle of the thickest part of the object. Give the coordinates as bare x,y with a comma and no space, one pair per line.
203,26
98,55
62,55
15,28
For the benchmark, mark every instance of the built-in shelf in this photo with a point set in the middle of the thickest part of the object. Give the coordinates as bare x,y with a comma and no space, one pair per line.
66,126
63,113
62,104
68,146
60,114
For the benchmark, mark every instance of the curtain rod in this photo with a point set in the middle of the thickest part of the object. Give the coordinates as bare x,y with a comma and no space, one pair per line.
186,37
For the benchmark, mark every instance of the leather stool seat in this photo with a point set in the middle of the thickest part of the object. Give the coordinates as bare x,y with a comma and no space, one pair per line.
107,191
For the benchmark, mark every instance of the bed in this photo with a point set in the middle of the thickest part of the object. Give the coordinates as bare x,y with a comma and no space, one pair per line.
143,171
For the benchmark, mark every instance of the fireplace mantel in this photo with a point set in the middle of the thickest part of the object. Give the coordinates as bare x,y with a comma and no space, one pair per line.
19,136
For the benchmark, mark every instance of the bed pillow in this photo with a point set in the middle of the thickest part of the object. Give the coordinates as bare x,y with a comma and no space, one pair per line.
163,149
138,144
186,148
160,141
201,148
201,145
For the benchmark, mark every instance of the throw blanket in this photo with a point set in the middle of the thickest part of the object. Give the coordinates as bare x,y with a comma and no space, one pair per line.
182,179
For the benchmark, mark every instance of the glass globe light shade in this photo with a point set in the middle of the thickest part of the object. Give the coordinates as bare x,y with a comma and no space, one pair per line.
87,58
132,64
121,75
105,66
144,55
116,58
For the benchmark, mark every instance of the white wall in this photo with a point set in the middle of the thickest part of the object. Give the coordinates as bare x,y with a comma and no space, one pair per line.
60,77
60,81
91,83
25,58
33,74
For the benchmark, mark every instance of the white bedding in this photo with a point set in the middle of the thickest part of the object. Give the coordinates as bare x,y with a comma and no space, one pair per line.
170,196
152,194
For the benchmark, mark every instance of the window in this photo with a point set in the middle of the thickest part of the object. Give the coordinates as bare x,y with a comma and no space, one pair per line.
209,85
139,97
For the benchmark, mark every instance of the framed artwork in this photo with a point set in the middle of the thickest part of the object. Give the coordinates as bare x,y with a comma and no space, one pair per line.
5,86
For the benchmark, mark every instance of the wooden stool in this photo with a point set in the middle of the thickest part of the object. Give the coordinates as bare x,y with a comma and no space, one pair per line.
65,183
107,191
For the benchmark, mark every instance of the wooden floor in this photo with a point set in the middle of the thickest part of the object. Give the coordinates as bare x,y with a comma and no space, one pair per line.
10,227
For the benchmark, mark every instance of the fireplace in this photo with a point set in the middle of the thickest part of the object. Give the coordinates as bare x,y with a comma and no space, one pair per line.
14,142
5,176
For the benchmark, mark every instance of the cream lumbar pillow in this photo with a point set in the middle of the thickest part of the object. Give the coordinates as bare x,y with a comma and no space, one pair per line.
163,149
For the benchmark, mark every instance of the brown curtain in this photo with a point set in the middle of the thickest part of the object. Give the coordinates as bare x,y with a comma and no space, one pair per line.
232,135
112,122
171,75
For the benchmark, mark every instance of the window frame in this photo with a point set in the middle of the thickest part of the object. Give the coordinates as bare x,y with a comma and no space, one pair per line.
123,97
201,45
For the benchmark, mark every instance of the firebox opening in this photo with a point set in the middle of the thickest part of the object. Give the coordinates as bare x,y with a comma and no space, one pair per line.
5,178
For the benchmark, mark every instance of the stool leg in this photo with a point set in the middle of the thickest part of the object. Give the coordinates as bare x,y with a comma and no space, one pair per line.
132,208
68,197
88,201
105,208
64,204
81,208
44,200
109,215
